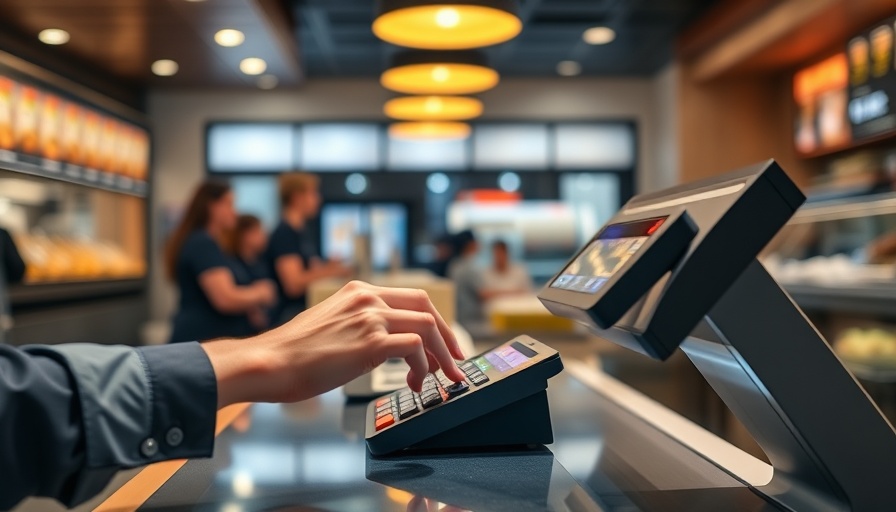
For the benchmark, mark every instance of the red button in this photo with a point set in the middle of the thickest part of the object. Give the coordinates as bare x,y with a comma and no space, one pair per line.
382,401
384,421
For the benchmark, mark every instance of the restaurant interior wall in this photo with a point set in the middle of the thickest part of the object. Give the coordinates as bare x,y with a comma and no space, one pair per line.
179,118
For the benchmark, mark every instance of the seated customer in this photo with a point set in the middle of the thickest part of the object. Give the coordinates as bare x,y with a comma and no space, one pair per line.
212,303
467,279
247,244
504,277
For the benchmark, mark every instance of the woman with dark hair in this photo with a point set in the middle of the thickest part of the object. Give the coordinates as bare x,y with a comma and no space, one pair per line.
212,303
246,244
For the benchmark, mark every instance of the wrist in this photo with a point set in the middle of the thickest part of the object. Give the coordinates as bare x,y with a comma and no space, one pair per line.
240,368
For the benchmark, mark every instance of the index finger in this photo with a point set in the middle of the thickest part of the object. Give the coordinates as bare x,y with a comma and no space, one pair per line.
444,347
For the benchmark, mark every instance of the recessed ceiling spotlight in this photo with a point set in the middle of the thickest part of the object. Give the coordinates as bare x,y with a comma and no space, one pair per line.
267,82
569,68
53,36
164,67
599,35
253,66
229,37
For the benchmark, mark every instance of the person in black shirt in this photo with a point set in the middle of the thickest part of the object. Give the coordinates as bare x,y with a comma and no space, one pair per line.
293,257
246,245
12,270
212,303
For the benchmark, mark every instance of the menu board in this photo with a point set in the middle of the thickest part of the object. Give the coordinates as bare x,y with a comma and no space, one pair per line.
45,134
820,93
872,81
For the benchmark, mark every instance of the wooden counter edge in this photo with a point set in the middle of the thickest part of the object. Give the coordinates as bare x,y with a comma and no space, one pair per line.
137,490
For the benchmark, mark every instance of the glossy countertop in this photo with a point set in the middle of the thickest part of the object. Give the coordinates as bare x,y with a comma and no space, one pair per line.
311,456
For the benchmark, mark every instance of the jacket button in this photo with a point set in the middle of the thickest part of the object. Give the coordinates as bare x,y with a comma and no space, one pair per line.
149,447
174,436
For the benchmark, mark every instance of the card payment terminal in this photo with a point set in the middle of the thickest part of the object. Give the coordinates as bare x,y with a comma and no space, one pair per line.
501,402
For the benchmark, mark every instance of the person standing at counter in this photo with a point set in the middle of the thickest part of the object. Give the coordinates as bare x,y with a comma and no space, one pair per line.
12,270
247,244
212,304
467,279
292,255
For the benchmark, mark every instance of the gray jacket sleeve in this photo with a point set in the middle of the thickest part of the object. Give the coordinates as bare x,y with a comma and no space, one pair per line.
72,415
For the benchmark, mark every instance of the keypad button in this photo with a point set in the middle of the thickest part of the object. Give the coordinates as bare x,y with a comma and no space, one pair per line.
456,389
384,421
382,401
432,400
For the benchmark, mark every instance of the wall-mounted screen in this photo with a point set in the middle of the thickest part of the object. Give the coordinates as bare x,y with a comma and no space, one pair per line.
594,146
251,147
427,155
820,93
509,146
872,81
340,147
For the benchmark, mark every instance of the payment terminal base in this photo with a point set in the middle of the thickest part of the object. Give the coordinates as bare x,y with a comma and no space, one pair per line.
524,422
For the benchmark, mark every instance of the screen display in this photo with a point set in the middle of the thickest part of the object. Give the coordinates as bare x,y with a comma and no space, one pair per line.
605,255
505,358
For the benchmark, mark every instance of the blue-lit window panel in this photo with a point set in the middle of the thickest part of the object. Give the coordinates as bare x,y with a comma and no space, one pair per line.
257,195
522,147
594,146
340,147
427,155
251,147
340,224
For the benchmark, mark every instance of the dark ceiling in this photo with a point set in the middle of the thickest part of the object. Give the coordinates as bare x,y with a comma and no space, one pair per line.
336,38
320,38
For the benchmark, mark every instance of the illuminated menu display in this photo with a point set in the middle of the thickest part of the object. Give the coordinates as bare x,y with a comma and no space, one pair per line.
44,133
872,81
605,255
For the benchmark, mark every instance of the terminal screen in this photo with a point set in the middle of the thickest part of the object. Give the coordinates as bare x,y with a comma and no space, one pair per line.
505,358
605,255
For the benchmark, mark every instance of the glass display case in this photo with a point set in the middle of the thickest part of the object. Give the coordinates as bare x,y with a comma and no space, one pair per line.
73,238
837,260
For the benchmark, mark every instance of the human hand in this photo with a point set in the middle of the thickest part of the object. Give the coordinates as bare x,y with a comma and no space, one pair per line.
347,335
266,292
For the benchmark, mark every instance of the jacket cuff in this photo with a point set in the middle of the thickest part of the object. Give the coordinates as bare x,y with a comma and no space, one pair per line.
184,402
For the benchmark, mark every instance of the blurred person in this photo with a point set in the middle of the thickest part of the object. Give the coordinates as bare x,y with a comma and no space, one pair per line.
212,303
292,255
444,255
467,278
12,270
504,277
247,244
74,414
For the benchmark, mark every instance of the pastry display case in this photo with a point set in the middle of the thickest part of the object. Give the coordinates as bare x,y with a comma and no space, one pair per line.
837,260
73,185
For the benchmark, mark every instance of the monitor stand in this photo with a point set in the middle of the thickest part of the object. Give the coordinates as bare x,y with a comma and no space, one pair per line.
829,444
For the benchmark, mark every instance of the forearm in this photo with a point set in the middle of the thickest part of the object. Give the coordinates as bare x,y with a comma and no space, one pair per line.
241,368
236,300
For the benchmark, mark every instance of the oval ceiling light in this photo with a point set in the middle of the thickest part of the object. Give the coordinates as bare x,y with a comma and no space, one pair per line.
569,68
433,108
164,67
446,72
599,35
429,130
253,66
54,36
447,24
229,37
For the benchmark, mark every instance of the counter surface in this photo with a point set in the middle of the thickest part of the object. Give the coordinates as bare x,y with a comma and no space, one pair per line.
311,456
